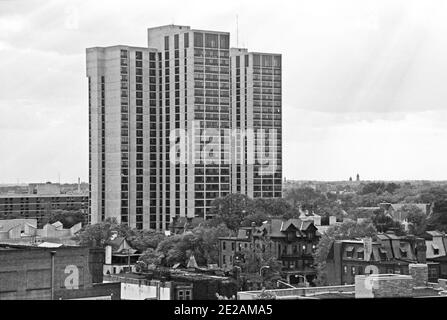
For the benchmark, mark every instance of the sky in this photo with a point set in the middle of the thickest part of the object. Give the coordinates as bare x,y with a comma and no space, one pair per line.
364,82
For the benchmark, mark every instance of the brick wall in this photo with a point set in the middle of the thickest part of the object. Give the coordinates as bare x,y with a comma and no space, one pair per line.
383,286
394,288
25,273
419,272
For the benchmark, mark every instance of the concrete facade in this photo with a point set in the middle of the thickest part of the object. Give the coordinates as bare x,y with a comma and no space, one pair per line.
119,129
256,117
187,105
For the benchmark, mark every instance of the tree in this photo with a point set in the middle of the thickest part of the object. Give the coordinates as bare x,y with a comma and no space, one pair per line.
384,223
259,256
438,221
272,207
306,197
145,239
149,260
68,218
416,218
257,218
98,235
209,240
347,230
231,210
251,260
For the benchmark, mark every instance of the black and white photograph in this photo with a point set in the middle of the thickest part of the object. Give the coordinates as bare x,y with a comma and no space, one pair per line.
242,152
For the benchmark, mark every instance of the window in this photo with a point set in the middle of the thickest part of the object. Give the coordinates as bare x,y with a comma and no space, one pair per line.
256,60
211,40
166,43
350,252
345,269
433,273
184,294
224,41
435,249
277,61
267,61
383,254
353,270
176,41
360,270
403,252
224,245
198,39
186,40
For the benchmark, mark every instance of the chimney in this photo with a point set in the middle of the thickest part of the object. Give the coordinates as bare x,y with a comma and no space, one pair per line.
332,220
421,251
108,251
419,273
79,185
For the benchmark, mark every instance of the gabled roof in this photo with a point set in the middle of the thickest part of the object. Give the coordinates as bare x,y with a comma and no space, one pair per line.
276,228
116,242
437,244
57,225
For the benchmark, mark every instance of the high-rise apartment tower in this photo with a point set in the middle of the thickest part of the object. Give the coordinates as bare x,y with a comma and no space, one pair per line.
179,123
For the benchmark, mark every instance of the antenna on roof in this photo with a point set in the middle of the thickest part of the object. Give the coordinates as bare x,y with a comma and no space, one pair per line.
237,31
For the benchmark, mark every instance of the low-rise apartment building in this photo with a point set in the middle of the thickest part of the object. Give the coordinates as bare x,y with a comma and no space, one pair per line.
294,242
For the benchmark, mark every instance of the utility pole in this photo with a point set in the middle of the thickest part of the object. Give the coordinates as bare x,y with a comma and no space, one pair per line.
53,253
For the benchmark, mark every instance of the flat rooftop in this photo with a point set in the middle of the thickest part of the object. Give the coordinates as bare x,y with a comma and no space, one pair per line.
25,195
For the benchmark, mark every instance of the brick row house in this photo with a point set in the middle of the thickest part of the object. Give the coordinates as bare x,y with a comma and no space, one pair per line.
388,254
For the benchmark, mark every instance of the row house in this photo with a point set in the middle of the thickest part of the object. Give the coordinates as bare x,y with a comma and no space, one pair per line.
436,252
388,254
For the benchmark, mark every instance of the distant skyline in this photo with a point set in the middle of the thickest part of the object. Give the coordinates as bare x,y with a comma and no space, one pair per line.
364,81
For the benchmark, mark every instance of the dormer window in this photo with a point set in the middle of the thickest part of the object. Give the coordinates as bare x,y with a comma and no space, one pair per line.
350,252
403,253
383,255
435,249
360,253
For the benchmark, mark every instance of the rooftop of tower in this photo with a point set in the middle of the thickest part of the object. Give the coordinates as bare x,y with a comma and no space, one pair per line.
184,28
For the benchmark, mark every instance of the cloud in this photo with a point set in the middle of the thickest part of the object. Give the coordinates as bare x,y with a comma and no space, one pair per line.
408,147
357,75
